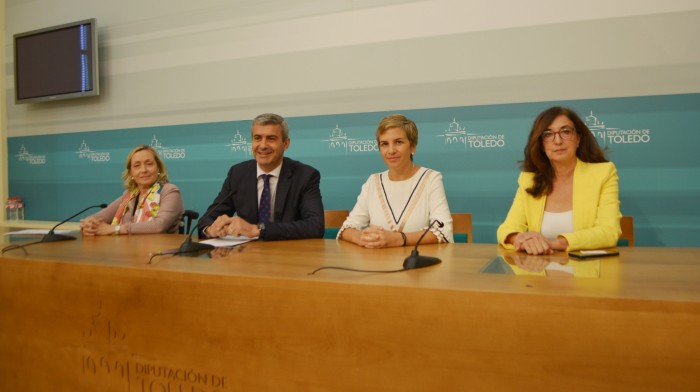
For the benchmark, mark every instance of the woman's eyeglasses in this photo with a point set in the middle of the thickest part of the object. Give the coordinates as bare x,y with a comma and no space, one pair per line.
565,133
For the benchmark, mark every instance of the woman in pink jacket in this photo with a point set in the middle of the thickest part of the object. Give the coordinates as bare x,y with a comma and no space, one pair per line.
150,204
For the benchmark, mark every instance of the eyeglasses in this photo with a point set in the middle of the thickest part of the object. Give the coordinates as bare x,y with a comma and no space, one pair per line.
565,133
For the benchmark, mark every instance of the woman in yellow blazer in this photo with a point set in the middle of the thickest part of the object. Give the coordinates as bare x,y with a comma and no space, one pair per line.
567,196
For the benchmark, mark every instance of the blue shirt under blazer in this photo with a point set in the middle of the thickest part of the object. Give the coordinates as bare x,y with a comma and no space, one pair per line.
298,210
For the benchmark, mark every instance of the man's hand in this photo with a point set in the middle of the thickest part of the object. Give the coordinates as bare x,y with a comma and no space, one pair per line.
226,225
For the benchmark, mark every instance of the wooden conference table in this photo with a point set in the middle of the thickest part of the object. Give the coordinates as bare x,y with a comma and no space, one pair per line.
92,315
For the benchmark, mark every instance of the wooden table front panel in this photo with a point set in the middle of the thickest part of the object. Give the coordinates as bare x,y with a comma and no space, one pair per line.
255,321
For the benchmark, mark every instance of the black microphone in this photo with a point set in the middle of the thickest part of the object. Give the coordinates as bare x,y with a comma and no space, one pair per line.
192,249
417,261
53,237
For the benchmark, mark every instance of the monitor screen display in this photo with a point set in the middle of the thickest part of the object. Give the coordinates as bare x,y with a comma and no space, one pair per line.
57,62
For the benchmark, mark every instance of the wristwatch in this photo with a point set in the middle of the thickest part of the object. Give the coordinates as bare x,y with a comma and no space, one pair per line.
117,228
261,227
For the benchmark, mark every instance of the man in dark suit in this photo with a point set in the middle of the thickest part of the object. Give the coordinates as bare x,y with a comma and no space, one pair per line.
272,197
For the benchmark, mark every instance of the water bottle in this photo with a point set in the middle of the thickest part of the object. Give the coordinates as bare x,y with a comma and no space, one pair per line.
14,209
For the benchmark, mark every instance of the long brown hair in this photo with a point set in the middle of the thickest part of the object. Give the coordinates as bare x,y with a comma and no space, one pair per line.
536,160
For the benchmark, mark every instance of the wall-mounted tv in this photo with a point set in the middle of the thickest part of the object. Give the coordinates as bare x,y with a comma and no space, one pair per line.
58,62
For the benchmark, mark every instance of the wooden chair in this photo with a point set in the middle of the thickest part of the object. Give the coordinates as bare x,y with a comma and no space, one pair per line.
334,220
462,224
627,226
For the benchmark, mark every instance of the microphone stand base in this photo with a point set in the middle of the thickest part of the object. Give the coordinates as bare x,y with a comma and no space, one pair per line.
193,249
52,237
417,261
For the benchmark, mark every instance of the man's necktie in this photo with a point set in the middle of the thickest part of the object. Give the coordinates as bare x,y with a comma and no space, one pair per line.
264,208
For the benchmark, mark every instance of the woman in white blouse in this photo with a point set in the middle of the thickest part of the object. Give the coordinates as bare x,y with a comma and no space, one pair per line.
396,206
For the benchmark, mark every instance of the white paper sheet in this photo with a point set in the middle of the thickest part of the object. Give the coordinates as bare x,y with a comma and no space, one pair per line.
228,241
40,231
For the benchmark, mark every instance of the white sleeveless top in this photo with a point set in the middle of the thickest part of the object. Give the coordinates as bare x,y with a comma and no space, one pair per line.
555,223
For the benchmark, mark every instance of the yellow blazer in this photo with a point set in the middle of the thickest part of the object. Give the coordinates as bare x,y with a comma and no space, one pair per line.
596,208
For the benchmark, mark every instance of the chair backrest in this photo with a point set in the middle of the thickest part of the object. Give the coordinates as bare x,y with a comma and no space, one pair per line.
187,217
627,226
462,224
335,218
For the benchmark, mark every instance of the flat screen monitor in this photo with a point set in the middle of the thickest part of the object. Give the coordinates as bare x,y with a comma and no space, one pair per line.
58,62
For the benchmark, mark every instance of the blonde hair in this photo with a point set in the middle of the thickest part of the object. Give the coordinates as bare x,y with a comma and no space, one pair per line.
399,121
129,182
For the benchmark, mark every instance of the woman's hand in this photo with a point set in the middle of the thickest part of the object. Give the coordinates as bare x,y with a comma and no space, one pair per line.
532,243
377,237
104,229
89,225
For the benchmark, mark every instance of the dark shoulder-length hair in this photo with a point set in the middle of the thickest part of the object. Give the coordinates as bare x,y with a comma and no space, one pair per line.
536,160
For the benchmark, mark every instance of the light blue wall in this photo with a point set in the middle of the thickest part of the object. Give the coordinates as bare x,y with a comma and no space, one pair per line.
653,141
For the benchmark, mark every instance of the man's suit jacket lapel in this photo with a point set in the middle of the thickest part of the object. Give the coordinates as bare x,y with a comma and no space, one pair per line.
249,185
283,185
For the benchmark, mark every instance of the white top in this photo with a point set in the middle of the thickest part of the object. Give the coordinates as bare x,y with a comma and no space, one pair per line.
555,223
407,206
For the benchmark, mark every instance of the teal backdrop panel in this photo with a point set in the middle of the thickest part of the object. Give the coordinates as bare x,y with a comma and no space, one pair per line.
653,141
